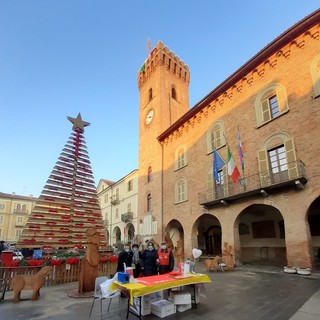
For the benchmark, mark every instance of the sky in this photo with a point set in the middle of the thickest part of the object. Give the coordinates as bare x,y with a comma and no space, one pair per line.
62,57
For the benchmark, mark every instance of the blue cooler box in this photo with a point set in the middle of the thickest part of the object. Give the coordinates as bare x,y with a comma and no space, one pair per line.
123,277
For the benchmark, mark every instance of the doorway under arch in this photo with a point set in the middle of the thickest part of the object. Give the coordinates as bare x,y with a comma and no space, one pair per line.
130,233
207,235
261,236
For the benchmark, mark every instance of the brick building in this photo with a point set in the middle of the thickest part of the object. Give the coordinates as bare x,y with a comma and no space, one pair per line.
271,213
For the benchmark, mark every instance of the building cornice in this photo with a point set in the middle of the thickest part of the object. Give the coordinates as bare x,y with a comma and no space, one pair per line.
275,48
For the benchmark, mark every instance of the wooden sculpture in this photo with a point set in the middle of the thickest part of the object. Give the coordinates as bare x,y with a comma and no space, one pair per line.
90,262
179,251
29,282
227,256
168,241
212,264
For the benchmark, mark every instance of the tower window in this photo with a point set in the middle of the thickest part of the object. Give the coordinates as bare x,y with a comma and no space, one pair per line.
149,203
150,174
150,94
173,93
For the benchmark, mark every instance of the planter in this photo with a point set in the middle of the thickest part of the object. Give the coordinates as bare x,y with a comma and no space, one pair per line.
304,271
289,270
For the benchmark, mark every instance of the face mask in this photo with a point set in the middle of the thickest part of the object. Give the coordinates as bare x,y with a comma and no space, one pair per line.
135,249
127,250
150,248
164,247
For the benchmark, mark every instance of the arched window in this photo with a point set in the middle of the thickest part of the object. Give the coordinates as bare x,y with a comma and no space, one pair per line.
277,160
270,104
24,208
149,202
149,174
215,136
18,208
180,158
181,191
150,94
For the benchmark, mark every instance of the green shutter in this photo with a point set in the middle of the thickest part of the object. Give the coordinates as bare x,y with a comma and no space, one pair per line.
282,100
291,159
263,168
218,138
265,110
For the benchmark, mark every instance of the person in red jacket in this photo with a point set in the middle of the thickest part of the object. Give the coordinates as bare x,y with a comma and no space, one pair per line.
165,259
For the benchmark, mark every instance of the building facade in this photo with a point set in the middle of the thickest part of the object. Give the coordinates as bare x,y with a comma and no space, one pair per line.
271,107
14,213
119,207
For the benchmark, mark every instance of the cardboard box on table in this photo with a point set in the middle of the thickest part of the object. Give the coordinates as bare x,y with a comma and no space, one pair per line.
163,308
123,277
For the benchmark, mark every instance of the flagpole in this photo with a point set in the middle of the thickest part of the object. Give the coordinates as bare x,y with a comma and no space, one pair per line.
243,180
233,164
240,151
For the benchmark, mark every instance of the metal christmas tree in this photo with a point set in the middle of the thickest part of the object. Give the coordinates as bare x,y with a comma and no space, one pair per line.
68,204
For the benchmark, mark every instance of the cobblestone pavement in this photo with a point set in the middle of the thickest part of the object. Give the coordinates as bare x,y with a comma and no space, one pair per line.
246,293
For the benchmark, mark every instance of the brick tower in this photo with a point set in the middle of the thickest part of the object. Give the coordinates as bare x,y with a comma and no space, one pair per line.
163,82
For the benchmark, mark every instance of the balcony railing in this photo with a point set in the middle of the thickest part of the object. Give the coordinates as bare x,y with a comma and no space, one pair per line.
127,217
262,183
115,201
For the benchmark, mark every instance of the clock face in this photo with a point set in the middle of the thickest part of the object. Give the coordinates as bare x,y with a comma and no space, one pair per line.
149,116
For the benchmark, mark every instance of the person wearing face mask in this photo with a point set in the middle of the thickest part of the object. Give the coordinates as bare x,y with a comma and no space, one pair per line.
125,256
149,260
165,259
136,261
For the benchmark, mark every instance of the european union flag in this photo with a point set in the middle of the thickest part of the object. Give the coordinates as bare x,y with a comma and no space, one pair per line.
218,164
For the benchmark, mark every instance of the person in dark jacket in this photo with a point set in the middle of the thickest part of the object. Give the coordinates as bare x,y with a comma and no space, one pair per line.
149,260
125,256
136,261
165,259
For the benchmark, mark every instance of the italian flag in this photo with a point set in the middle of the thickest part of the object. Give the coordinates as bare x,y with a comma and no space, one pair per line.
233,171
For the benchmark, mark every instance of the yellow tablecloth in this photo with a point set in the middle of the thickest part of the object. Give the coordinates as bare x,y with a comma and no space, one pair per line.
138,289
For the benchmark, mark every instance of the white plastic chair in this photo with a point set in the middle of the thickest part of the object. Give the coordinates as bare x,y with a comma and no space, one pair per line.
98,295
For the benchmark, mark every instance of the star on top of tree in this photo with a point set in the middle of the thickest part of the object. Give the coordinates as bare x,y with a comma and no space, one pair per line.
78,122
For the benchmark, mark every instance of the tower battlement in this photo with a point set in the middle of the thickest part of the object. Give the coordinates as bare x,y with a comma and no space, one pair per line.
161,56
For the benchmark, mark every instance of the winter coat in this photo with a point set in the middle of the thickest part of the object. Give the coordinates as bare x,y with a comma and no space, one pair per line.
149,262
124,257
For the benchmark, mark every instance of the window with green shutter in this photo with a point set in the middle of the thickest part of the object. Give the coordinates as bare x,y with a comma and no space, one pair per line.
278,164
215,136
270,104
